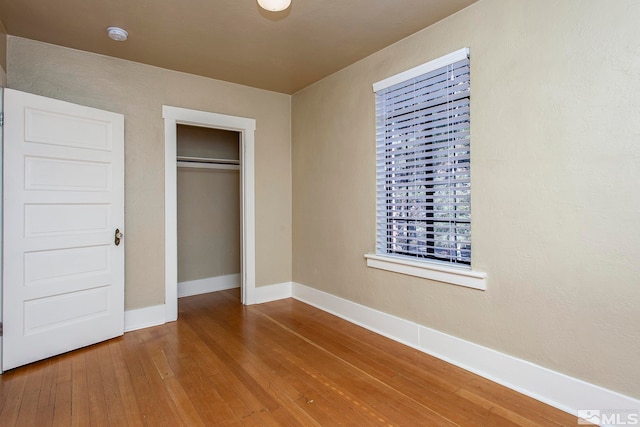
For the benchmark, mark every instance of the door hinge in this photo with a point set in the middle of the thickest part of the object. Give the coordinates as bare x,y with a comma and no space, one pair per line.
1,120
1,329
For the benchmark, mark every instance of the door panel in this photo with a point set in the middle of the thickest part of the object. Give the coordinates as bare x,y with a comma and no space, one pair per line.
54,174
63,276
65,219
43,267
67,130
55,311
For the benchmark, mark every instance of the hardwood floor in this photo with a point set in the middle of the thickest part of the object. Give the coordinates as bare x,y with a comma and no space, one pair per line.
282,363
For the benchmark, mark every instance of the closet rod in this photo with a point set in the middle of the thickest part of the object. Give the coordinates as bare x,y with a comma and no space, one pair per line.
202,165
207,160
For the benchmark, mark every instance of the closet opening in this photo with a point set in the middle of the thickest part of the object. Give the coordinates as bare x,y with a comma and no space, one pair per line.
208,202
243,129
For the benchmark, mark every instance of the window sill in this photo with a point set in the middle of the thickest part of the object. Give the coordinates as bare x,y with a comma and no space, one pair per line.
427,270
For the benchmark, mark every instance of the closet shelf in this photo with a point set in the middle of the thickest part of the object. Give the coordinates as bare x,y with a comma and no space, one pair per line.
207,160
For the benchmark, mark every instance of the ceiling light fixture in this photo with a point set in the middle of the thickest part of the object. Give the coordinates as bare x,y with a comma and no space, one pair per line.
274,5
117,34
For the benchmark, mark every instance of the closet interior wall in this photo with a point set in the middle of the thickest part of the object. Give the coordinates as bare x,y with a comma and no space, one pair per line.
208,190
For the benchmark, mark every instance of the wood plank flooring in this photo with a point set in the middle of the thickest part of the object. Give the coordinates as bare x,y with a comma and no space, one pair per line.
282,363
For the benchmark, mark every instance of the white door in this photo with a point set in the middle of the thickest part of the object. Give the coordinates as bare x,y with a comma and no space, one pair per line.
63,198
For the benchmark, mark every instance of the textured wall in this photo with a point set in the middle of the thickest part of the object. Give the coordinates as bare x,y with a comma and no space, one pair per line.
208,223
197,141
3,55
555,205
139,91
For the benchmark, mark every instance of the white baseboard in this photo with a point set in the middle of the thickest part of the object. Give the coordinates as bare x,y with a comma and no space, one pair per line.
209,284
273,292
553,388
144,317
156,315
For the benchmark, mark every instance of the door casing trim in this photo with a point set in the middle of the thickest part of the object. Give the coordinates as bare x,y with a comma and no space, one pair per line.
246,127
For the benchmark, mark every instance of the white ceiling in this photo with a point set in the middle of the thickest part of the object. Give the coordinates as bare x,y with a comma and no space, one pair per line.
232,40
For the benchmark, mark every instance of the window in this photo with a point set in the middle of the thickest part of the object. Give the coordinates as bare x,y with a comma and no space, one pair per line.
423,162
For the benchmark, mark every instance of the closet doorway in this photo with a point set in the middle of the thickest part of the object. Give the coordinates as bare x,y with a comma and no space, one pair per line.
244,129
208,191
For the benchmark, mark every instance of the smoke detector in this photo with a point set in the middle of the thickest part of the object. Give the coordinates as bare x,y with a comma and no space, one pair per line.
117,34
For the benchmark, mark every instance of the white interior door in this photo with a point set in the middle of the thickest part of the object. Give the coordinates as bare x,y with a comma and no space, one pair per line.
63,275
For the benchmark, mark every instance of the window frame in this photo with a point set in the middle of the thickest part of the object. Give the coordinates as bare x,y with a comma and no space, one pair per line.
415,264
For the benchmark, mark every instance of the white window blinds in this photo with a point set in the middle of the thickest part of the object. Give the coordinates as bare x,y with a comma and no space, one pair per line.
423,162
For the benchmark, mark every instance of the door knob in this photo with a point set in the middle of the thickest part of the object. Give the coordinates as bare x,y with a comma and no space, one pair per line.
118,236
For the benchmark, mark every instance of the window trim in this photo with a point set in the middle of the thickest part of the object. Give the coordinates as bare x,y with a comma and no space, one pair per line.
414,72
429,270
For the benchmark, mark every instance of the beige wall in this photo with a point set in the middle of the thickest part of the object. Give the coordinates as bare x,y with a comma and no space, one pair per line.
197,141
555,175
139,91
3,55
208,223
